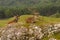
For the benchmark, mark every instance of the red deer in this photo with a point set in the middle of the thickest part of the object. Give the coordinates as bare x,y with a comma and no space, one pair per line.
30,20
34,18
14,21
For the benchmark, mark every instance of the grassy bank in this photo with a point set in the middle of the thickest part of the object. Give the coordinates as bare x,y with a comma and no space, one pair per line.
45,20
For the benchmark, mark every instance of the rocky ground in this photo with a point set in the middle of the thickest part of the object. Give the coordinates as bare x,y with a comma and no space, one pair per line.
33,32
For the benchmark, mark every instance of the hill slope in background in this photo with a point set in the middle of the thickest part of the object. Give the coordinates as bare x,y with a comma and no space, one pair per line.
45,7
17,2
27,2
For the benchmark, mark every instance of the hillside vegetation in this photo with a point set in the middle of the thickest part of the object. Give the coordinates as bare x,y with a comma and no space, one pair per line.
9,8
29,2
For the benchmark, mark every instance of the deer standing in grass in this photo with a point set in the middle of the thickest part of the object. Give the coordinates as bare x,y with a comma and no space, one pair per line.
34,18
15,20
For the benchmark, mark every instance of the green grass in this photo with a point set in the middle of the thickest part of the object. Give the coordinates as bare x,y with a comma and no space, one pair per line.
45,20
56,36
23,18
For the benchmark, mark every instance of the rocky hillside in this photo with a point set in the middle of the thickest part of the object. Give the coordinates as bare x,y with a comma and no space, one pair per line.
33,32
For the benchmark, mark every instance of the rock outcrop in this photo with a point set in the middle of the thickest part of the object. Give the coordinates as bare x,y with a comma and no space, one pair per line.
33,32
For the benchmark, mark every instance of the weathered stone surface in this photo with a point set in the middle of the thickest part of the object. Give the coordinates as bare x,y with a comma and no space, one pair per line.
33,32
